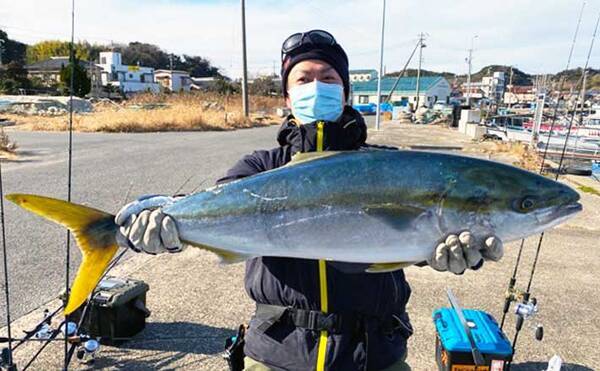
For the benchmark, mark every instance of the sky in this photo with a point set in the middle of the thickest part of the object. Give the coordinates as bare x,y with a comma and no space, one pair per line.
532,35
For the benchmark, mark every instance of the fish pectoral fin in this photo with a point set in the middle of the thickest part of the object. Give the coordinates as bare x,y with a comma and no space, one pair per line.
387,267
301,157
225,256
398,216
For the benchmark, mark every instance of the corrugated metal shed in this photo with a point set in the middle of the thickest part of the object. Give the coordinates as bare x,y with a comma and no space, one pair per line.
406,85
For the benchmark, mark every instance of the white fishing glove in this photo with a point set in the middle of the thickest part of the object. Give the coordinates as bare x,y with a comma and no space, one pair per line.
457,253
144,227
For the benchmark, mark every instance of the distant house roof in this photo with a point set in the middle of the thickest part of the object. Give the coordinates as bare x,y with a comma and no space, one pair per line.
356,72
52,64
203,79
168,72
406,84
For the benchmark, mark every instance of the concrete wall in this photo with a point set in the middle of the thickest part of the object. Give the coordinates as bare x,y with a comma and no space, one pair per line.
134,86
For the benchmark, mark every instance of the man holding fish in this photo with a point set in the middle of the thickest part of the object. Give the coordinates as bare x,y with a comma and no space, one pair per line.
316,314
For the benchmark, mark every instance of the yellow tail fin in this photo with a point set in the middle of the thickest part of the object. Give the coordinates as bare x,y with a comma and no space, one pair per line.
94,231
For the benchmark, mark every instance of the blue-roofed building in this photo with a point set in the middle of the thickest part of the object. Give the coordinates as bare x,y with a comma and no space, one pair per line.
432,89
362,75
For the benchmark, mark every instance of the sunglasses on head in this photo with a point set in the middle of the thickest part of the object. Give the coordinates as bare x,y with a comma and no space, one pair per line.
297,40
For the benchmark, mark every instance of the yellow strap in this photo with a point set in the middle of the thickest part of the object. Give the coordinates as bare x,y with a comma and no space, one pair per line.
320,125
322,350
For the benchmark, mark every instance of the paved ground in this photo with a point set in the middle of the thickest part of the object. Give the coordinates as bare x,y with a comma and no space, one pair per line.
196,302
105,166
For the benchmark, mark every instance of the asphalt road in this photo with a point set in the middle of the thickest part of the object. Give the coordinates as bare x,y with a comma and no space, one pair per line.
105,167
196,302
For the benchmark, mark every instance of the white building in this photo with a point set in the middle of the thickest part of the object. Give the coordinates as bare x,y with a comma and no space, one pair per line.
490,87
126,78
174,80
493,86
432,89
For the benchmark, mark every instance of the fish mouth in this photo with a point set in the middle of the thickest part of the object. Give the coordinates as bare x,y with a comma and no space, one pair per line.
552,216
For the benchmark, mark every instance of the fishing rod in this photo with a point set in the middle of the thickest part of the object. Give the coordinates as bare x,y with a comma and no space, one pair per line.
533,304
44,333
70,172
46,321
87,305
7,356
9,364
587,61
511,293
561,85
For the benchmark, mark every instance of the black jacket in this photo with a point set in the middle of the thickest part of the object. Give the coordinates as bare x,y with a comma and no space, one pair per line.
295,282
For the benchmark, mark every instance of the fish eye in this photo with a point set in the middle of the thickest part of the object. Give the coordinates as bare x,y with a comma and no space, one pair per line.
527,203
524,204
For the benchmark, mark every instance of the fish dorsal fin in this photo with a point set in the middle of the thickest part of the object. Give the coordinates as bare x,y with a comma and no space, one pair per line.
387,267
301,157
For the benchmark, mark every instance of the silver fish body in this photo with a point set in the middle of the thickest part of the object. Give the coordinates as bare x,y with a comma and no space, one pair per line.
370,207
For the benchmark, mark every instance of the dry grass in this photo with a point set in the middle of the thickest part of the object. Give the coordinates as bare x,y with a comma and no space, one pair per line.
524,156
588,189
170,113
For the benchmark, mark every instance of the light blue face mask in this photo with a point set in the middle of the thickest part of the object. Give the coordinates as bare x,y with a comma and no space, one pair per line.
317,101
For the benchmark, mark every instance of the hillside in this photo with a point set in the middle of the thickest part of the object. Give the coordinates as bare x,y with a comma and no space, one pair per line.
133,53
519,77
412,72
572,77
12,50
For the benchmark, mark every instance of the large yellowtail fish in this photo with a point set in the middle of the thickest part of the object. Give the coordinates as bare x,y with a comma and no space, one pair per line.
388,209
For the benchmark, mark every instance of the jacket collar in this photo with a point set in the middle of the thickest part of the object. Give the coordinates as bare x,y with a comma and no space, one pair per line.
349,132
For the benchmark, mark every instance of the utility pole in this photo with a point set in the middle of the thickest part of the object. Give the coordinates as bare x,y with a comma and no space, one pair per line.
421,46
378,112
511,87
470,60
244,63
412,54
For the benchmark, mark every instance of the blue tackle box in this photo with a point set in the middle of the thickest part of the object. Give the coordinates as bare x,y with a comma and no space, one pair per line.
453,349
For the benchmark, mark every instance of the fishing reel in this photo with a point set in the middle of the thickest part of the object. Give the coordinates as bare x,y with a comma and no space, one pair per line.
87,347
87,351
6,361
528,310
512,295
44,330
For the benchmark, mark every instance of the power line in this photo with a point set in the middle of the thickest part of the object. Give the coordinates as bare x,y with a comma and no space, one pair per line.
35,32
